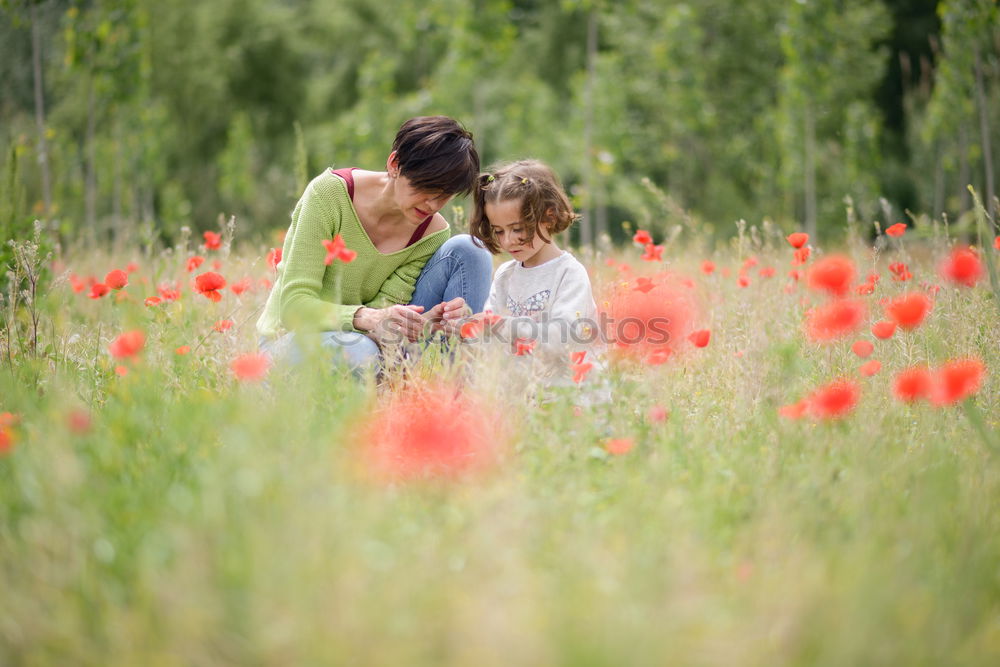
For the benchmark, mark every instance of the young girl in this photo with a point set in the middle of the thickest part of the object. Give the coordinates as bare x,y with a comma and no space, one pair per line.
543,293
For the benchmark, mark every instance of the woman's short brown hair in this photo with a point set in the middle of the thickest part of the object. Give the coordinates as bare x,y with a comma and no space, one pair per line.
541,194
437,154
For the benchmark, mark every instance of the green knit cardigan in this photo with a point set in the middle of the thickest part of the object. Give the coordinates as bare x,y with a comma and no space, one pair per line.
308,294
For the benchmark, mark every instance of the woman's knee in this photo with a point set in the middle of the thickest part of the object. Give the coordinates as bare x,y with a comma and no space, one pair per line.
357,349
464,248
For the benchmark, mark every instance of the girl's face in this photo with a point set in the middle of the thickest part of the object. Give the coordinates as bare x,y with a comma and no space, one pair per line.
510,233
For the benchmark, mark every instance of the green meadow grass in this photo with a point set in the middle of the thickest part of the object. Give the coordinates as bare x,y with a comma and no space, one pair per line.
203,521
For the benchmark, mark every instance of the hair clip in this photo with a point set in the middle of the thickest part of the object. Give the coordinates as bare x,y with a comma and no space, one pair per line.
491,178
524,181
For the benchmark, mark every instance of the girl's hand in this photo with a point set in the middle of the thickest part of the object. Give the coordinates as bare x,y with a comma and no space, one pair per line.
388,325
447,316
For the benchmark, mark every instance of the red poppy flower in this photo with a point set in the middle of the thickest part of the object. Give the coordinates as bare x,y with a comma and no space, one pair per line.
406,438
766,272
121,371
801,256
128,344
131,268
653,253
213,240
241,286
743,281
657,414
642,237
956,380
962,267
619,446
182,350
700,338
883,329
794,410
168,292
116,279
909,310
912,384
7,441
577,357
834,400
794,275
659,356
336,249
471,329
223,325
580,370
523,346
250,367
489,317
900,272
896,230
864,289
643,284
153,301
797,239
273,258
863,348
836,319
78,421
833,274
996,242
750,262
97,290
208,285
707,267
194,262
870,368
76,283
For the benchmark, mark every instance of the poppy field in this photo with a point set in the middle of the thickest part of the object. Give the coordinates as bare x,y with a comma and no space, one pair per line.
806,470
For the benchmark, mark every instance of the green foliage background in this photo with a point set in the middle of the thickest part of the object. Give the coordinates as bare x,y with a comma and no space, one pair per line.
159,115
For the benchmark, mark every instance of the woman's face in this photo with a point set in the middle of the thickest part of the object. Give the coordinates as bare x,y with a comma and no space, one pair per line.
418,205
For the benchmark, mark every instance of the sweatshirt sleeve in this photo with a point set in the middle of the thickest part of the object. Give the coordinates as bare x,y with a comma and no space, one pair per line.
300,305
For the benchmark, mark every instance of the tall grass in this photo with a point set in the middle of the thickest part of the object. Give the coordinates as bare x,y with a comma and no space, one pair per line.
200,520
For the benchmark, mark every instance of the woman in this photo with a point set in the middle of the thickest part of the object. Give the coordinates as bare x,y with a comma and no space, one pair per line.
407,272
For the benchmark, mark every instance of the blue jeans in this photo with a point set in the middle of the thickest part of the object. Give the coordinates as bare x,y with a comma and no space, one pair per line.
457,268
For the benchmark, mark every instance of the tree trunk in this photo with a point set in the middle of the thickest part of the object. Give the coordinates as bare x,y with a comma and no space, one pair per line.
809,167
984,135
587,221
964,172
90,165
43,152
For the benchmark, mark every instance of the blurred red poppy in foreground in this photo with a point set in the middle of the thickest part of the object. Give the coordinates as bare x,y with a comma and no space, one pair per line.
250,367
619,446
708,267
870,368
956,380
97,290
194,262
128,344
912,384
208,285
962,267
653,253
909,310
883,329
835,320
863,348
896,230
833,274
642,237
649,326
834,400
336,249
797,239
407,437
7,437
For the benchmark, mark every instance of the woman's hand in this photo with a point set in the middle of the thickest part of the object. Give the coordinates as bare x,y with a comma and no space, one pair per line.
388,325
448,315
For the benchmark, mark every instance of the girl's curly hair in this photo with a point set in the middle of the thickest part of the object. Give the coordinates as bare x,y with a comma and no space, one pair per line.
541,195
